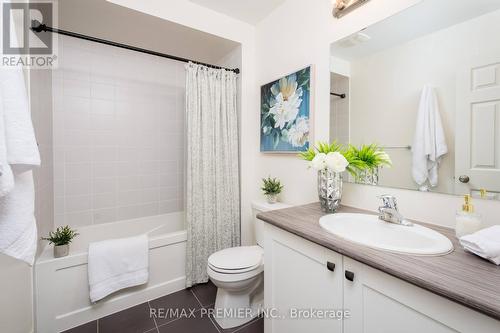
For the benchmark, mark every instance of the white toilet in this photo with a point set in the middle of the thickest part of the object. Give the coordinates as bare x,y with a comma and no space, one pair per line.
238,273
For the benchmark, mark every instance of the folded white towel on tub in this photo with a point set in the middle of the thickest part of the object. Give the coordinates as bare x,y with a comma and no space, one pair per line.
117,264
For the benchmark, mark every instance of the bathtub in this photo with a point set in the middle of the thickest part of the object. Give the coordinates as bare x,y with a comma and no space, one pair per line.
61,285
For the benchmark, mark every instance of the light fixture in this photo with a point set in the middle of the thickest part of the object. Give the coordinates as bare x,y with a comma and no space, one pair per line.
342,7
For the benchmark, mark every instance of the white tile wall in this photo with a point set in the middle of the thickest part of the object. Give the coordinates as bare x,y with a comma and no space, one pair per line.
118,133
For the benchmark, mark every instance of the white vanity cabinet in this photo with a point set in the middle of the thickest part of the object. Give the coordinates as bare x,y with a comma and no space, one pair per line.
300,276
297,276
380,303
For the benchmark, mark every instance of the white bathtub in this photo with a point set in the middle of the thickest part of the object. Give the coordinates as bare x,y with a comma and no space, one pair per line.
61,285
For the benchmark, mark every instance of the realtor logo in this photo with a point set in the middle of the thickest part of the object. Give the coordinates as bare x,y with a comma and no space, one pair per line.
21,45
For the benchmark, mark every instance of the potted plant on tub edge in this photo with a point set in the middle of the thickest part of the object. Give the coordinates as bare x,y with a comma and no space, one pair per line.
61,238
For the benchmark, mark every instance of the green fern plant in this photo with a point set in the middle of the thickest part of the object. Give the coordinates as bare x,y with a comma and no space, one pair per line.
370,156
271,186
62,236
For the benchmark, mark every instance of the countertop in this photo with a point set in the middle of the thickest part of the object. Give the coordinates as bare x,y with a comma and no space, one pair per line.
458,276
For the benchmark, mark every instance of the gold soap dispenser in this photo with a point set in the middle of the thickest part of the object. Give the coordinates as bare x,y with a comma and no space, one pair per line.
468,222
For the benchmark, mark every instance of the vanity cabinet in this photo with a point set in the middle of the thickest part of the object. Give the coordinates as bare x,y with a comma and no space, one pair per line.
300,276
297,276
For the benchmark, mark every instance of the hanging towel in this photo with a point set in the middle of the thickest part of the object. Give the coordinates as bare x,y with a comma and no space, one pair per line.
18,156
484,243
429,143
117,264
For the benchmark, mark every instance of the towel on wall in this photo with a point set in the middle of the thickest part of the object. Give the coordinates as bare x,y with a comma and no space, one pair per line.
429,143
18,156
117,264
484,243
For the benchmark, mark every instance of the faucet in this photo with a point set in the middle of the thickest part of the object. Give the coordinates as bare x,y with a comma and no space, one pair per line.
389,212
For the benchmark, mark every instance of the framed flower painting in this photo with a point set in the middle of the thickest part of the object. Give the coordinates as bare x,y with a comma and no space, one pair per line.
285,113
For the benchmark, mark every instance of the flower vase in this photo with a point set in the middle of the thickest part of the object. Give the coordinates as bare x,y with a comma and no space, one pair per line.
368,176
329,190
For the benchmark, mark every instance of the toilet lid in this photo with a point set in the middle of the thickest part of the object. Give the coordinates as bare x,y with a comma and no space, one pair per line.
237,258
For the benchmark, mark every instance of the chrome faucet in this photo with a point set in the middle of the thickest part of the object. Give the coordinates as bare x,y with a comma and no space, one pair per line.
389,212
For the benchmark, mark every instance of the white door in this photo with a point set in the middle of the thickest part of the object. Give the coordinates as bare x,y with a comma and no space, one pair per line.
299,278
477,149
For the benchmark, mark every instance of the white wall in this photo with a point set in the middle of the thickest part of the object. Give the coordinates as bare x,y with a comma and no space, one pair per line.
340,66
305,34
118,134
380,115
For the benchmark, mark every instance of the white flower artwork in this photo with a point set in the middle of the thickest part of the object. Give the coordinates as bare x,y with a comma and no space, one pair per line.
285,113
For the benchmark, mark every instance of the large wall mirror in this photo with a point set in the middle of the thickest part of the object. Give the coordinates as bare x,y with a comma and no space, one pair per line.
425,86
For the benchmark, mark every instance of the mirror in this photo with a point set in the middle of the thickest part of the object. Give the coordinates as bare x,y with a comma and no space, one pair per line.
425,86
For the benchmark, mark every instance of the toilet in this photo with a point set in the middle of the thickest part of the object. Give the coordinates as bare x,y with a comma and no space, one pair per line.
238,274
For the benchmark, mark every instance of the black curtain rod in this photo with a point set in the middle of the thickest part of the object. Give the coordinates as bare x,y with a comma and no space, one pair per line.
38,27
338,95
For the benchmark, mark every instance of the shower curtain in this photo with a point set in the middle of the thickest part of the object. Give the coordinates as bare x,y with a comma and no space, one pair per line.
212,189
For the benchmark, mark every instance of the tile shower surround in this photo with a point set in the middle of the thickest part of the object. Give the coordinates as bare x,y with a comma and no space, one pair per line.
118,134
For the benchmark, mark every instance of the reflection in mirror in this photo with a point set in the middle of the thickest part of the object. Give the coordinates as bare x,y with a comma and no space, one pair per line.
425,85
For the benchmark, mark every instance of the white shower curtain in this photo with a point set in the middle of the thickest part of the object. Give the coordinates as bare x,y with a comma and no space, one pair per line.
212,190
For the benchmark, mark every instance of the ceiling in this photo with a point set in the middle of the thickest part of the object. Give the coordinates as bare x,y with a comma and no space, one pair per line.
422,19
103,19
250,11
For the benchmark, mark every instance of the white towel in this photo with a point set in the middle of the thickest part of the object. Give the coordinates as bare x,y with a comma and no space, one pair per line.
484,243
18,156
429,143
18,235
117,264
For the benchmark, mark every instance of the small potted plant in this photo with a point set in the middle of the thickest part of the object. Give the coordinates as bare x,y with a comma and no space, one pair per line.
272,188
61,239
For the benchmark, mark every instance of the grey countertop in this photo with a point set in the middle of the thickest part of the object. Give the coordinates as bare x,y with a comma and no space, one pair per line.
459,276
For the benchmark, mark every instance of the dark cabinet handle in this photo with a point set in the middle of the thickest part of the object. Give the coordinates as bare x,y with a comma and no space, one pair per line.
349,275
330,266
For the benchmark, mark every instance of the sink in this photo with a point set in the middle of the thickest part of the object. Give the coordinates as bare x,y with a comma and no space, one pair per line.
368,230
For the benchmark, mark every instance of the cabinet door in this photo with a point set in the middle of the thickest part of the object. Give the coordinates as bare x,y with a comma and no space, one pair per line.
297,278
380,303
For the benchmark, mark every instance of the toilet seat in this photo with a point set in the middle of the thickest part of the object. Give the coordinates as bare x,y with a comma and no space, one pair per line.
234,271
236,259
236,263
235,277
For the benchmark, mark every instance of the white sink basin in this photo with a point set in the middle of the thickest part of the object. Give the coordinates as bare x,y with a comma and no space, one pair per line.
368,230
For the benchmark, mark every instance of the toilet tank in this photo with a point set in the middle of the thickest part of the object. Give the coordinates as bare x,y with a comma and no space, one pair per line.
259,207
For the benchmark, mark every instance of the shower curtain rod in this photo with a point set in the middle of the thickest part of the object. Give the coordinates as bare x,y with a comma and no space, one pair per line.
338,95
36,26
